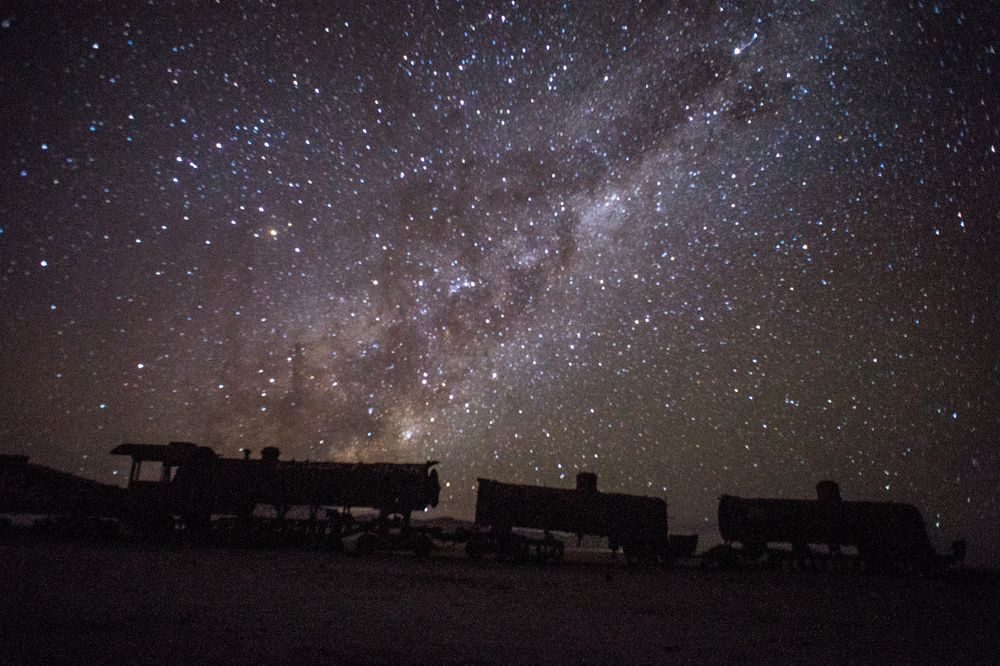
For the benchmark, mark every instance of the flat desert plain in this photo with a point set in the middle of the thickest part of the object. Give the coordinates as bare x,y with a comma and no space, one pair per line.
115,603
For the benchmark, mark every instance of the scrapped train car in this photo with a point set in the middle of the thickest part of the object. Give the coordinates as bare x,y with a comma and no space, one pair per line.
192,485
884,534
54,500
28,488
636,524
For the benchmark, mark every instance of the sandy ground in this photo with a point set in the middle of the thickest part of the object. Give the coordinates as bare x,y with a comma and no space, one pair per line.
74,603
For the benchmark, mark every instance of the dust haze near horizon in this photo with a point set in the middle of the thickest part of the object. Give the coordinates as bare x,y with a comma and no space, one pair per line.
731,249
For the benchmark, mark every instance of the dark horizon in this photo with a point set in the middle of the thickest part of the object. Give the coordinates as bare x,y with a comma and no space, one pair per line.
696,251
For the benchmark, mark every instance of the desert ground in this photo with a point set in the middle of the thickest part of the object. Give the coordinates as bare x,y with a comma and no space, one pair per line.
121,603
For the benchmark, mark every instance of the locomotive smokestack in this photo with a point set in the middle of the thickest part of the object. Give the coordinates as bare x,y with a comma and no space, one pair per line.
586,481
828,491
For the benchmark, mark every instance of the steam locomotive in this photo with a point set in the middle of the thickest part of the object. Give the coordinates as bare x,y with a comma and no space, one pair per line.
193,489
194,483
186,490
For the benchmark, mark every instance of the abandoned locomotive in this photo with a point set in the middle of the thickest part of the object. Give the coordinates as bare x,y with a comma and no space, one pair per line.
182,490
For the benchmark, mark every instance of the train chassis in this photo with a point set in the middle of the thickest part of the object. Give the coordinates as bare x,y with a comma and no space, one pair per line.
511,546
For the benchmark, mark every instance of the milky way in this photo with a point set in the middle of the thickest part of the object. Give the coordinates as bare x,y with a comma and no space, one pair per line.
737,248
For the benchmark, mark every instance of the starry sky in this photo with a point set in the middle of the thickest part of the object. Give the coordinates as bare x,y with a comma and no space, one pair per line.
697,248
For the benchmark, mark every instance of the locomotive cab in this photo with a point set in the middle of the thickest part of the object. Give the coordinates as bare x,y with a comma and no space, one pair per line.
162,461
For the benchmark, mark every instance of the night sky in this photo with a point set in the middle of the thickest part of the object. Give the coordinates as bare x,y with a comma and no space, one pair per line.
697,249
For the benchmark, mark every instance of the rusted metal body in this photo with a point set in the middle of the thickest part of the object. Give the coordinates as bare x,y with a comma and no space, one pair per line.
637,524
884,533
195,482
28,488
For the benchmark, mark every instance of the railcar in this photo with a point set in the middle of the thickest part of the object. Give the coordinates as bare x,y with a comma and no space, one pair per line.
55,502
182,488
883,534
636,524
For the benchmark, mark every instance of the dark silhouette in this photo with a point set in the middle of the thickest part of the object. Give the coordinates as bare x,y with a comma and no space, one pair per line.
70,506
182,490
886,535
195,488
637,525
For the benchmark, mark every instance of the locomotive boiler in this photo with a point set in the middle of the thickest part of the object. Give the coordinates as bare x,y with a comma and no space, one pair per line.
884,534
636,524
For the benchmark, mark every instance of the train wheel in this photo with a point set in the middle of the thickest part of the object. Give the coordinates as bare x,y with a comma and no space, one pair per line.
720,557
474,549
422,545
367,543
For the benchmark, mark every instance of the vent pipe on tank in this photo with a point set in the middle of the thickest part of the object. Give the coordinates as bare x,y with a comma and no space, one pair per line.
586,481
828,491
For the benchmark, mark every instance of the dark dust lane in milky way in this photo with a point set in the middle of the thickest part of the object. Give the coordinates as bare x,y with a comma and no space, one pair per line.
731,248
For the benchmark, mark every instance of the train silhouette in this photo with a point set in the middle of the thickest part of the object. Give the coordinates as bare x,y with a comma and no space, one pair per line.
185,491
